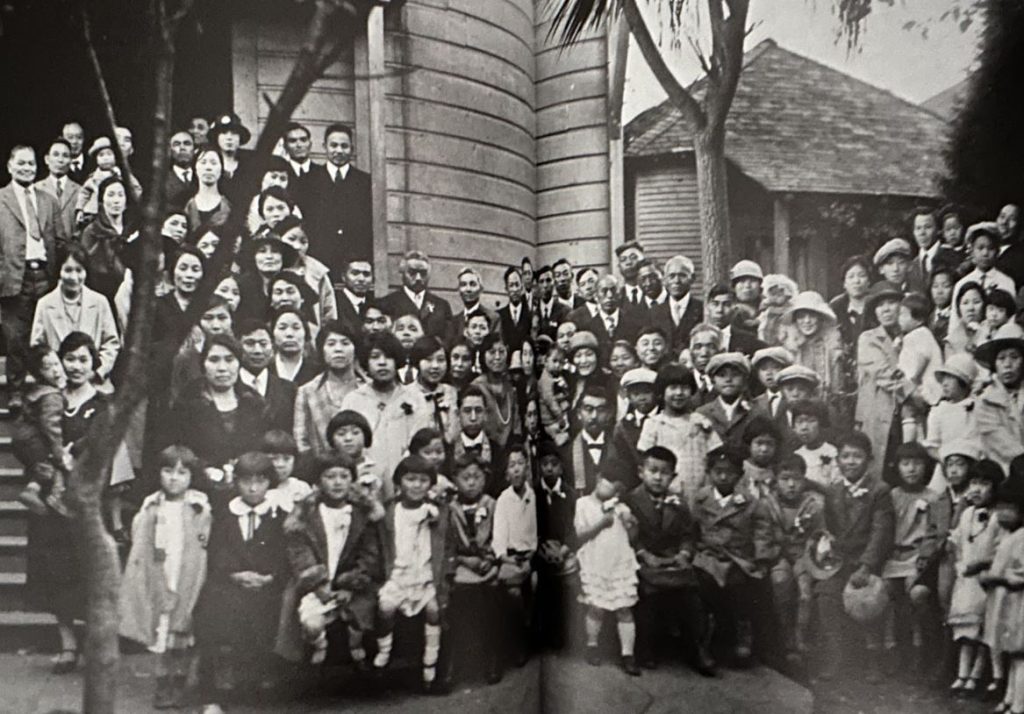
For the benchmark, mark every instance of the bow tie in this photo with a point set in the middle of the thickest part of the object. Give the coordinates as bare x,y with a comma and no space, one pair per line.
982,516
473,448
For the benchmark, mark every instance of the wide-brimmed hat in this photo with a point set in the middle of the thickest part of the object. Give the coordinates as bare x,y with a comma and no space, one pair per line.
775,354
964,446
229,122
809,301
960,366
1010,335
728,359
883,289
746,269
868,603
249,247
896,246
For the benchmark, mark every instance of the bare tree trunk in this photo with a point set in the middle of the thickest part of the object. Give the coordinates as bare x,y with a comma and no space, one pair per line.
713,203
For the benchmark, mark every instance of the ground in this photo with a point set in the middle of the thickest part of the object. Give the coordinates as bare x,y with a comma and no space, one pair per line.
569,685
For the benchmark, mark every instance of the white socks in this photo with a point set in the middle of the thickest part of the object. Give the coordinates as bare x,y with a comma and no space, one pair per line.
431,647
383,651
627,637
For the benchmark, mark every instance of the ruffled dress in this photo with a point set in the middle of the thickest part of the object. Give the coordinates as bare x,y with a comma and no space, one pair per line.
608,565
974,540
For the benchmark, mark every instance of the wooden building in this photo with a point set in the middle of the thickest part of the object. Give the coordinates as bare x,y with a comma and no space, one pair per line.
800,135
485,140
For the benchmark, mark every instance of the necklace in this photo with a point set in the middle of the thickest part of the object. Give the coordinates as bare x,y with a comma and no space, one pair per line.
72,310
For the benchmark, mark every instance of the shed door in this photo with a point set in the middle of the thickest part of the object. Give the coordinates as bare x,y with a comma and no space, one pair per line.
665,213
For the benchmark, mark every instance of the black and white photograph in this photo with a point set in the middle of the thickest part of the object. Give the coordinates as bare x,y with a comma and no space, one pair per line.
571,356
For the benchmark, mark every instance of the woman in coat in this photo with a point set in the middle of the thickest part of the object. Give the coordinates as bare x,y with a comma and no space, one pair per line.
72,307
104,239
878,379
208,207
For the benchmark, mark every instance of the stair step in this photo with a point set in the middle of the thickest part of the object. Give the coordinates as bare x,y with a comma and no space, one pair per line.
21,618
13,542
6,441
11,472
12,507
13,579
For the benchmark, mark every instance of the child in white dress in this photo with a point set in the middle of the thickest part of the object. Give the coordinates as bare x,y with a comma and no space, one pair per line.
608,567
973,541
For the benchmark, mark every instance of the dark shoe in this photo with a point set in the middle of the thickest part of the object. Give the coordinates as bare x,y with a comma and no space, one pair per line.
593,655
629,666
66,662
164,696
706,666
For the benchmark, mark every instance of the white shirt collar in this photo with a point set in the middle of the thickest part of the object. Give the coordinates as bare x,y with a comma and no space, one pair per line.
681,304
417,298
353,298
591,441
723,501
301,167
730,409
476,441
335,170
184,173
255,381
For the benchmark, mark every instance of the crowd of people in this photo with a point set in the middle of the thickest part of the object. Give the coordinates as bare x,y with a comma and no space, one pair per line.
321,474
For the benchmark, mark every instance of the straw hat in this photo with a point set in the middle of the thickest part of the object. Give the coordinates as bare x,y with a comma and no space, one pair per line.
961,366
746,269
1010,335
809,301
868,603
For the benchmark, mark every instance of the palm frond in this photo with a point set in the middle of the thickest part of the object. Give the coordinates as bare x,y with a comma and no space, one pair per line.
571,18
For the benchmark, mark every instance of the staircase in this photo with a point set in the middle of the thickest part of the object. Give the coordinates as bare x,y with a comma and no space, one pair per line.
19,625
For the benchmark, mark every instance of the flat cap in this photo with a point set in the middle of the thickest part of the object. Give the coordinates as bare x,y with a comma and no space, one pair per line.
728,359
896,246
638,375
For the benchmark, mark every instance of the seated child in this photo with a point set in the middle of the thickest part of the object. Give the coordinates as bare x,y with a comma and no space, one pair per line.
288,489
334,551
687,434
419,549
779,291
474,592
608,568
1003,631
665,545
763,440
859,515
556,563
909,572
735,549
810,419
241,603
973,544
515,544
38,440
800,517
349,433
165,572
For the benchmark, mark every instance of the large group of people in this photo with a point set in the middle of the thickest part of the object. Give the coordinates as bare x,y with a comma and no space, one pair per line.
321,474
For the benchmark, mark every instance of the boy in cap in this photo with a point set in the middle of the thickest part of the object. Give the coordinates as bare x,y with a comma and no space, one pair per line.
735,549
767,363
730,410
892,261
638,384
797,384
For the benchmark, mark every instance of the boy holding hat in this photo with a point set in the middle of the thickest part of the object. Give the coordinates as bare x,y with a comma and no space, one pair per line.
998,411
735,549
729,411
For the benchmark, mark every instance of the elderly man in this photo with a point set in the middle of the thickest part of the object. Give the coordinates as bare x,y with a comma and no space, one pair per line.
336,201
616,319
677,315
515,318
30,227
721,312
413,298
470,289
73,133
60,185
1011,256
628,256
586,297
181,176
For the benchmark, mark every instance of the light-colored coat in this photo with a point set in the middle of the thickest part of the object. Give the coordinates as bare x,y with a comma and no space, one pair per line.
66,203
13,236
1000,425
143,589
52,324
877,360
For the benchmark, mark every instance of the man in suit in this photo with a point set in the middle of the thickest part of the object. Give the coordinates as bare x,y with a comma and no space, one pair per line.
30,228
181,176
515,318
59,185
73,133
705,343
629,255
651,285
354,294
336,201
616,319
470,289
278,393
1011,252
591,447
721,310
529,294
729,411
414,298
931,253
585,298
562,274
298,143
682,311
550,311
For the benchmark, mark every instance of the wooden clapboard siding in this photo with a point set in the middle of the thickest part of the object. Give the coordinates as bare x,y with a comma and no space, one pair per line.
461,137
572,148
665,215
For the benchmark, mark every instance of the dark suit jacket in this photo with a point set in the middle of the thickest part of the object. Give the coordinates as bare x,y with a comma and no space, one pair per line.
65,204
630,321
279,411
550,325
179,192
351,318
435,315
579,316
299,185
864,528
664,532
944,257
1011,262
730,430
79,175
340,217
580,464
515,333
13,235
555,514
678,335
745,342
625,436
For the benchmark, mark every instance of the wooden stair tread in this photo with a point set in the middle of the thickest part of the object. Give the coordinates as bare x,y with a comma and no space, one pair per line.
13,541
13,578
21,618
12,507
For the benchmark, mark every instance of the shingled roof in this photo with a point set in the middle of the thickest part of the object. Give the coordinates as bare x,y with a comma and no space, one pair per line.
799,126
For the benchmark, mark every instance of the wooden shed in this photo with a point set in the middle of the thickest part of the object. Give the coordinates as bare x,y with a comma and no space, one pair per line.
486,141
799,135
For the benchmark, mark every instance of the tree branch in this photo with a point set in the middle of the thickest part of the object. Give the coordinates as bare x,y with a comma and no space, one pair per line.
677,93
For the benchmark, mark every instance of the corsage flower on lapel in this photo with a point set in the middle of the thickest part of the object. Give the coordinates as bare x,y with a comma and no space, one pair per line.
428,306
673,500
921,505
432,514
480,515
701,423
738,499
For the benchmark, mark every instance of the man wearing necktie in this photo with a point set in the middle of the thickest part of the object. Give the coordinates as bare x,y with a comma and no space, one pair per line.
73,133
354,293
181,176
515,318
470,290
615,319
415,298
29,230
60,185
629,256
